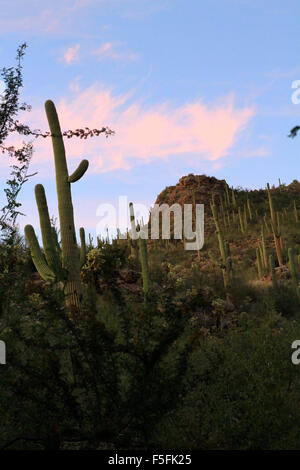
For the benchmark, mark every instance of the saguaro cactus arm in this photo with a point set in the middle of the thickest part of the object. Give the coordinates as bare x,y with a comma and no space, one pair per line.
272,270
219,233
82,246
79,172
46,229
258,260
144,264
55,240
37,256
292,267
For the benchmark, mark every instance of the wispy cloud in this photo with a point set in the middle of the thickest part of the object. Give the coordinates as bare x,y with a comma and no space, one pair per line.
137,10
74,85
60,16
108,51
43,22
277,74
55,19
71,55
191,133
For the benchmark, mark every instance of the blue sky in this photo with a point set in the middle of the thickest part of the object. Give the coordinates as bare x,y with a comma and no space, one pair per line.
188,87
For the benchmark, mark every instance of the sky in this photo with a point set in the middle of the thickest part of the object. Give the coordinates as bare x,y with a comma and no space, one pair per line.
203,87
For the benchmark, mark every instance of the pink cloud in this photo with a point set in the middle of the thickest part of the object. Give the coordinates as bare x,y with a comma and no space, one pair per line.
74,85
191,133
107,50
72,54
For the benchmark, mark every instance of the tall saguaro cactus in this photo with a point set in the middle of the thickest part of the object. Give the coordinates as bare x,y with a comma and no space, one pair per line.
142,244
226,264
275,228
70,261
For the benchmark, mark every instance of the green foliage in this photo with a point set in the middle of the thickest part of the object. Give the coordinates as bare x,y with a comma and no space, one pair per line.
102,266
9,107
245,388
100,380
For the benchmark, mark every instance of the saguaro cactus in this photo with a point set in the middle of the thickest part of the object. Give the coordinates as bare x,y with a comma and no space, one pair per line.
295,212
249,209
292,267
242,227
264,249
273,272
227,195
233,198
226,264
258,260
82,247
142,245
275,228
70,261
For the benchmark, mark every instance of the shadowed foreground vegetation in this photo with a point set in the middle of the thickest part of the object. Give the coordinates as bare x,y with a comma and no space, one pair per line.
200,359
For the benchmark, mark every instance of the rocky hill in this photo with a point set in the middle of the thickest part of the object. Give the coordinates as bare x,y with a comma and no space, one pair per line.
199,189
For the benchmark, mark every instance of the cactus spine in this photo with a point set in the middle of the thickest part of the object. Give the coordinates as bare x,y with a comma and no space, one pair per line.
69,249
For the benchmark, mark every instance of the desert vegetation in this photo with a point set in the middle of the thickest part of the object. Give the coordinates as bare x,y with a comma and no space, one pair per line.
141,344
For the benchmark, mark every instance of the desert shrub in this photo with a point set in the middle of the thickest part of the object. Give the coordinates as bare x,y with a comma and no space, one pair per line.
244,390
91,381
102,266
